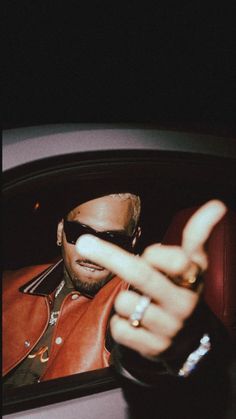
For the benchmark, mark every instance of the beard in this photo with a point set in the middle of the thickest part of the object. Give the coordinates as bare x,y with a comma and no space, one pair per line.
85,287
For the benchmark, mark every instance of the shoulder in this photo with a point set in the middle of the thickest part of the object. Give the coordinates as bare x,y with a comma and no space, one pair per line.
15,279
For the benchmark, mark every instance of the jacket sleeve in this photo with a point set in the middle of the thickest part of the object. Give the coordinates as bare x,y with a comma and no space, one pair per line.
154,389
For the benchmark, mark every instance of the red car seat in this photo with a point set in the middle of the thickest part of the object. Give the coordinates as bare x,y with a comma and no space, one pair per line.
220,278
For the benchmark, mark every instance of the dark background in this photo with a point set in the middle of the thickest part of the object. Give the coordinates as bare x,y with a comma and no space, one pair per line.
166,63
166,182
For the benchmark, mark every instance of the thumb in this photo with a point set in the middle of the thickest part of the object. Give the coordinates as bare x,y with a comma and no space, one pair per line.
199,228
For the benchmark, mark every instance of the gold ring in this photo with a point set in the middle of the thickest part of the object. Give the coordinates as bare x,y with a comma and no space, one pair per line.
136,317
191,279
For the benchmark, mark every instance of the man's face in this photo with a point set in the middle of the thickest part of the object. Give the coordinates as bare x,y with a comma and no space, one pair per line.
102,214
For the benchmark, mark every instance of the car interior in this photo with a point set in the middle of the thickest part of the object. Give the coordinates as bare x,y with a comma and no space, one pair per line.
171,186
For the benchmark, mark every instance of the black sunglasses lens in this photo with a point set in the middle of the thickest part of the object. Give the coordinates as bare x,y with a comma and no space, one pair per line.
73,231
120,240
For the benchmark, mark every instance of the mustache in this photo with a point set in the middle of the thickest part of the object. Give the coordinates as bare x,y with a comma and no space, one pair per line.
82,260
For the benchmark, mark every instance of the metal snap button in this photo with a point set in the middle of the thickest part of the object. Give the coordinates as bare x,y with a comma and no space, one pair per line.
27,343
74,296
58,340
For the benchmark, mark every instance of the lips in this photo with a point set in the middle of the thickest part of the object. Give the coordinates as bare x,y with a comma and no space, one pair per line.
89,266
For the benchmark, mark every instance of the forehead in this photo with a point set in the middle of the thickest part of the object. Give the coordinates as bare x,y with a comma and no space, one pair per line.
108,210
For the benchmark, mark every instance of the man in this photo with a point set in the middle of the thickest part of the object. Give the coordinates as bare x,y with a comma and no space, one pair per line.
56,317
161,328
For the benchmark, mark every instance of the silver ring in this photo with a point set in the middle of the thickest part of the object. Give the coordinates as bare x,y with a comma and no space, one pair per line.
136,317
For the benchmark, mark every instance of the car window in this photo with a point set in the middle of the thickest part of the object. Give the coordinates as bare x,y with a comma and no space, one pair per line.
36,198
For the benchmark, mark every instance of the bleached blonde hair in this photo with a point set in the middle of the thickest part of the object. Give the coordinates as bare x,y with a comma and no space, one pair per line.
136,205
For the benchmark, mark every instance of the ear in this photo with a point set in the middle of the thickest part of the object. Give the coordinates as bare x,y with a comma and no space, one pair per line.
59,231
136,236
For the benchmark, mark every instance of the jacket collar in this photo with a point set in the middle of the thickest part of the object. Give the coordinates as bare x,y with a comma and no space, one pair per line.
46,282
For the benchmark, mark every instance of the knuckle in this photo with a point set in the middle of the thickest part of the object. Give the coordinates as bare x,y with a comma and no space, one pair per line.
177,325
150,251
165,343
117,329
185,304
121,301
157,346
179,262
143,274
172,326
191,301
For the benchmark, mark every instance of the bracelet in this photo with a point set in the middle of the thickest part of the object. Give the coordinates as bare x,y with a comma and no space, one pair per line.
196,356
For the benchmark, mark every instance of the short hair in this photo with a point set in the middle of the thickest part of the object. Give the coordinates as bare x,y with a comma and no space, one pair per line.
135,202
136,205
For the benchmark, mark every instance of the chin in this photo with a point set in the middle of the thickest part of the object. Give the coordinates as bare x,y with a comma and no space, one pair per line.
90,282
89,287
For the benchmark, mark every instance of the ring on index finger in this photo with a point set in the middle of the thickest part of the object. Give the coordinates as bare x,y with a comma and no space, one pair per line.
142,305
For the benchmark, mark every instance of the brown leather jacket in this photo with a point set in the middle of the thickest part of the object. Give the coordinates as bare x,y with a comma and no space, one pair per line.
81,325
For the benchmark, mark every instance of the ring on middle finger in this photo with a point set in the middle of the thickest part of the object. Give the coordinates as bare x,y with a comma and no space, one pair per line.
140,308
192,279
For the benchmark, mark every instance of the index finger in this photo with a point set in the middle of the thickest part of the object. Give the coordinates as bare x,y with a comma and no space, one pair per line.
133,269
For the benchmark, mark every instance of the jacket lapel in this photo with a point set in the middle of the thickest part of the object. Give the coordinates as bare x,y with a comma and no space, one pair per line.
46,282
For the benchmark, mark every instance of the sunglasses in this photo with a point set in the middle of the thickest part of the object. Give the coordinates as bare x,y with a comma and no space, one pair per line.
73,230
